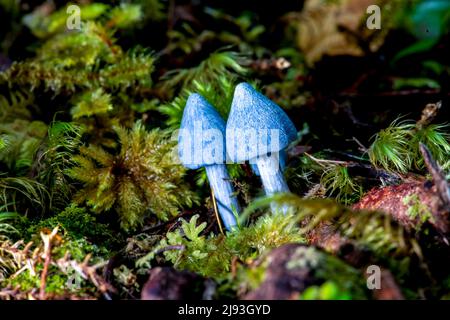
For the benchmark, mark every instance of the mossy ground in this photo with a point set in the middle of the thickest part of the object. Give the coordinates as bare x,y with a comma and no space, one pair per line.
91,199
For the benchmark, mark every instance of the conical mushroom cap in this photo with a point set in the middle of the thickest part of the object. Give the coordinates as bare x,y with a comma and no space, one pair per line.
256,125
201,140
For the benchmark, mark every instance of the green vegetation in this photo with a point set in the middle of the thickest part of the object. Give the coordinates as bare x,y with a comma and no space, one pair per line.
396,148
142,176
92,195
212,255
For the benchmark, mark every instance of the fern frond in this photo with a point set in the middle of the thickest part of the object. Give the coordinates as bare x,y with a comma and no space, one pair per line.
16,107
216,66
22,139
3,143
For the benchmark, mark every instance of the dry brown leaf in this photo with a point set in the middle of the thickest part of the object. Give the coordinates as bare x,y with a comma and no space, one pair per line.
320,22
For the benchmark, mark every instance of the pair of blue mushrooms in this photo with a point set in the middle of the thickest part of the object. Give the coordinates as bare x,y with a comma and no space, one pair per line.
257,131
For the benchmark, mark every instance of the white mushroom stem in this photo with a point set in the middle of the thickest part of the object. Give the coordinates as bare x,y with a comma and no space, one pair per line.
219,181
283,157
272,176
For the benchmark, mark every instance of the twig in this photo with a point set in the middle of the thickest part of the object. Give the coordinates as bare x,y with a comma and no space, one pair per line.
91,271
348,110
438,176
376,172
150,229
173,247
47,239
215,211
322,162
361,146
428,114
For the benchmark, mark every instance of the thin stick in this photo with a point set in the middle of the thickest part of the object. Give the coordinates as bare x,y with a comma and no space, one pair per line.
322,162
174,247
48,255
216,212
438,176
361,146
44,276
428,114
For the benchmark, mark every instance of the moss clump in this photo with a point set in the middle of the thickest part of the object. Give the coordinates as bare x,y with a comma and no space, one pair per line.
338,183
77,223
417,210
142,177
396,148
329,290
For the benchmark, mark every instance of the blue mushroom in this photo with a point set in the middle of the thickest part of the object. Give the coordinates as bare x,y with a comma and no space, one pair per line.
201,143
258,131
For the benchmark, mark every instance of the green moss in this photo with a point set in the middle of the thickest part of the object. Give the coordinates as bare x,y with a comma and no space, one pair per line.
78,224
329,290
86,120
391,148
80,248
338,183
437,139
417,209
347,281
212,255
337,279
57,283
218,93
374,230
141,179
396,148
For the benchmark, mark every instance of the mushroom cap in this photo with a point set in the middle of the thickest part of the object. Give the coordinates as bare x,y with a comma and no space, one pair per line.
201,140
256,125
